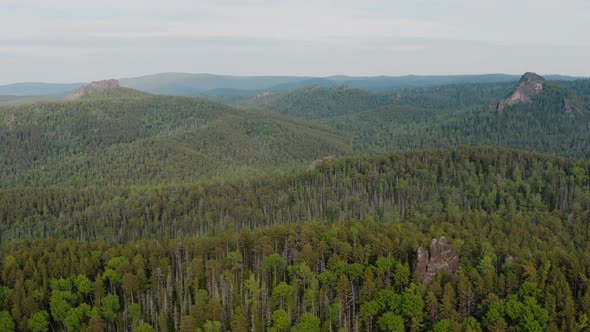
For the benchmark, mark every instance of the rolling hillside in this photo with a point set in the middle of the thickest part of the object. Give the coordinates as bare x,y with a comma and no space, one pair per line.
549,123
397,185
507,230
126,136
555,121
324,103
318,103
121,210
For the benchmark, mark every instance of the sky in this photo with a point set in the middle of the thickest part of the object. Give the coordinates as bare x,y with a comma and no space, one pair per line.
81,41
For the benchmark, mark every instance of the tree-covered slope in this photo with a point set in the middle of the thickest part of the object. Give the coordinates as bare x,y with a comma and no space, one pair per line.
324,102
124,211
318,103
396,185
556,121
518,222
125,136
545,125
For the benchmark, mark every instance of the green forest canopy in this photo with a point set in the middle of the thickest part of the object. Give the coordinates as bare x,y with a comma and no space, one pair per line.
326,249
446,116
129,137
129,211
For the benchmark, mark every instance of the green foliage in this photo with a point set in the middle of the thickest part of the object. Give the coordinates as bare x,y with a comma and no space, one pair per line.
389,244
6,322
126,137
471,324
83,284
109,306
76,316
444,325
4,293
395,185
268,253
60,304
135,138
135,311
307,323
317,103
281,320
281,294
391,322
276,265
445,116
212,326
526,313
144,328
39,322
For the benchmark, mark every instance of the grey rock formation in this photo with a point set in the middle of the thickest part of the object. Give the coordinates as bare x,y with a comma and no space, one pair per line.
530,85
442,258
96,86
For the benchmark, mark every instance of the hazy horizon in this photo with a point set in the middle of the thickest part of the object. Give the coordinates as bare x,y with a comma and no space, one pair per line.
279,75
82,41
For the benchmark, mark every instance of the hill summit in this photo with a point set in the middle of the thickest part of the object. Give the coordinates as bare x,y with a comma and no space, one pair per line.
530,85
96,86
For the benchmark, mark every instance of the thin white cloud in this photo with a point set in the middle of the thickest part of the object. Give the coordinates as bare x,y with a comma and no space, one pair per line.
82,40
287,21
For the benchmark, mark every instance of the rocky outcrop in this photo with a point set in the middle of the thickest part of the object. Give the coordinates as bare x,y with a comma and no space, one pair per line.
422,262
530,85
96,86
442,258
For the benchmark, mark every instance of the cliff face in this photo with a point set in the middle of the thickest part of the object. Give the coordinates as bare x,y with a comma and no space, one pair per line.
93,87
530,85
442,258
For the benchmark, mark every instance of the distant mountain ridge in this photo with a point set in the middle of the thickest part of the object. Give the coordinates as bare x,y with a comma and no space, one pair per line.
198,84
38,89
187,84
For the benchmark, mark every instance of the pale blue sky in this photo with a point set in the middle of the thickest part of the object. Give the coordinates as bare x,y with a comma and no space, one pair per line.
78,40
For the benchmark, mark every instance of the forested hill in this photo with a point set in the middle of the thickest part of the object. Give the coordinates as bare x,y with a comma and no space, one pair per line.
126,211
555,121
123,136
392,186
328,102
331,249
317,102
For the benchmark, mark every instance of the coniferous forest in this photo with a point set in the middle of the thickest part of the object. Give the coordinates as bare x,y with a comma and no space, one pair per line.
305,210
